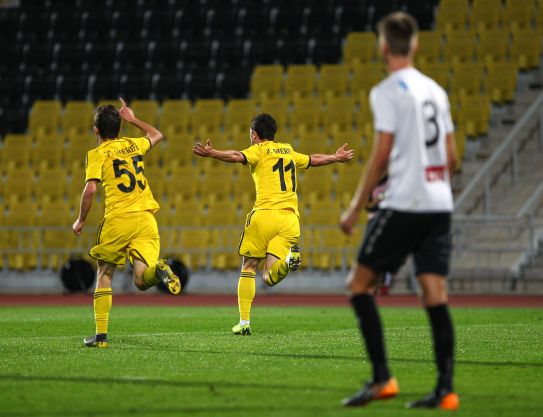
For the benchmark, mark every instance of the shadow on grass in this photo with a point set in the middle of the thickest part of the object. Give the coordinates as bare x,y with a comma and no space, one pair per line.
210,385
353,358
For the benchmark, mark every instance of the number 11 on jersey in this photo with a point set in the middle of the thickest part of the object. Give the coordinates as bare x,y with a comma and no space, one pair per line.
289,167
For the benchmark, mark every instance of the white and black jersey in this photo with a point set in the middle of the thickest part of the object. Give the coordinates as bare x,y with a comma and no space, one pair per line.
415,109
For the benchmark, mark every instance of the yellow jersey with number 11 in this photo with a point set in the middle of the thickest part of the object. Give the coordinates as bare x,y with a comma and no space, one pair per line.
273,167
118,165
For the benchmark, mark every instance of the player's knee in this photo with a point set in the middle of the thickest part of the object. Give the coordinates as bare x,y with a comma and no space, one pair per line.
267,280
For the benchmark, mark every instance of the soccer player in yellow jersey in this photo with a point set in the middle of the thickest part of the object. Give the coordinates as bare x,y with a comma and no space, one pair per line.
129,229
272,228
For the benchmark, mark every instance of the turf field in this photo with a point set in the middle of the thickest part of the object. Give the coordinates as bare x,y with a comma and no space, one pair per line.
300,361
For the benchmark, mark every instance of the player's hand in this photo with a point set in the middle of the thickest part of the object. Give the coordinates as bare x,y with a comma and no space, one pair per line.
78,227
203,150
348,221
127,114
343,154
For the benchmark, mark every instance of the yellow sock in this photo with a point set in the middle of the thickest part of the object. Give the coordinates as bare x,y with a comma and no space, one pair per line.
149,276
102,306
277,273
246,294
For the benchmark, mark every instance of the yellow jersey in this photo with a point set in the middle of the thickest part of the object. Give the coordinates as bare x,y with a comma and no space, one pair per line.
273,167
118,165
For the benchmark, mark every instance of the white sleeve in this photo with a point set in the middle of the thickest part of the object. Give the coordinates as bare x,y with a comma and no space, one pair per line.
449,127
384,111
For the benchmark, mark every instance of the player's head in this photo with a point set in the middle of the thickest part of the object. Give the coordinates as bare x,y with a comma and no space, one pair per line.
397,34
263,127
107,122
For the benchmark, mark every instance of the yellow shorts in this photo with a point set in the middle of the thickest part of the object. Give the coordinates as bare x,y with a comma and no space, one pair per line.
132,235
269,231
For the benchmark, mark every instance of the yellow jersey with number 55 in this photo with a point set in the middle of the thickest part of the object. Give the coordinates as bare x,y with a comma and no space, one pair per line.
273,167
118,165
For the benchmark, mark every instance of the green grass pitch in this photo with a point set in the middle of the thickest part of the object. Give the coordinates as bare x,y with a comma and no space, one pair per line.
300,361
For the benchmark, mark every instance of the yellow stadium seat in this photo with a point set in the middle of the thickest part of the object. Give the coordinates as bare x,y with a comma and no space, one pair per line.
222,213
460,139
19,185
216,188
300,81
459,46
429,45
78,115
45,117
501,81
438,71
452,16
339,114
311,142
207,116
239,112
474,115
315,185
333,80
51,184
364,115
56,219
526,48
360,47
244,187
48,152
184,180
146,110
178,148
224,248
486,14
327,248
467,78
193,244
306,112
493,45
323,212
20,241
175,116
277,108
365,77
15,152
518,14
266,82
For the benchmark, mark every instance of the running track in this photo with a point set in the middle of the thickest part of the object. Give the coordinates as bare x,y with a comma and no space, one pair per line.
267,300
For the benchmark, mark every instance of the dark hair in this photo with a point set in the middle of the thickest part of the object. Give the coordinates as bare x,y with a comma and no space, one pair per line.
264,125
108,121
398,30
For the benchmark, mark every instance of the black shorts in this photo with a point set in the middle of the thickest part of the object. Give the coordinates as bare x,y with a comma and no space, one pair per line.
393,235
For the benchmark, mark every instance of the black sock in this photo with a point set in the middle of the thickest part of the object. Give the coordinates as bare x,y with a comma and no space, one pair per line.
443,336
372,332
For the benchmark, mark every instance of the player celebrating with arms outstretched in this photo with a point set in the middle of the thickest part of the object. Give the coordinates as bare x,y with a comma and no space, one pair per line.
129,229
272,228
415,145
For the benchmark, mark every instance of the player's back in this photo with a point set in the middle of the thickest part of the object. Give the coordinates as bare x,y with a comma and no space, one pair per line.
416,110
118,164
273,167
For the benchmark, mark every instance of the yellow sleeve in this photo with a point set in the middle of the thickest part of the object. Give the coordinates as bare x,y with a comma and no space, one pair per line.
251,154
93,169
302,160
144,144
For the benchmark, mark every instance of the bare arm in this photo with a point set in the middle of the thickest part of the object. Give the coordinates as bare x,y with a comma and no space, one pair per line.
225,156
153,134
377,168
86,203
342,155
452,158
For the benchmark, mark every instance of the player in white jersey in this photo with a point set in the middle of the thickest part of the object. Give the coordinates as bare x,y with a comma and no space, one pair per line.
415,145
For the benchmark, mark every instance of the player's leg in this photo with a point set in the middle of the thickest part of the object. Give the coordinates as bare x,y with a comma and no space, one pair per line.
432,264
252,247
246,295
143,251
362,283
102,305
383,249
283,252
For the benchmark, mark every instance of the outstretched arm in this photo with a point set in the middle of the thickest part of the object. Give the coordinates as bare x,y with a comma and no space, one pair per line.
226,156
153,134
342,155
377,167
85,206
